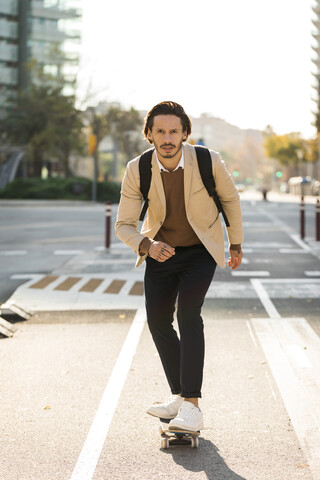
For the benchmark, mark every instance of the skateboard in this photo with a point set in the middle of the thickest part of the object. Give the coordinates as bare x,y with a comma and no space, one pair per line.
177,437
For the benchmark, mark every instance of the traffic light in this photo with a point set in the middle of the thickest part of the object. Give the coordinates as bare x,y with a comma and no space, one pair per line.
279,174
235,173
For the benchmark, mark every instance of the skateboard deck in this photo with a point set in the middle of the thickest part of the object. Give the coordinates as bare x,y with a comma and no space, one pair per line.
177,437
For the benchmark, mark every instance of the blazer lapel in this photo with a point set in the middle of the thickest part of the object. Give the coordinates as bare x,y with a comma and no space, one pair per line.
188,171
156,178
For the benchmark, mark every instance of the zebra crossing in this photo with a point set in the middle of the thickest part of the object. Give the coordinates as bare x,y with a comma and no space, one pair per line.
126,290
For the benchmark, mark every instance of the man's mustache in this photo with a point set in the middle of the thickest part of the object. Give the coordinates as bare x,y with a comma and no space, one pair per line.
167,145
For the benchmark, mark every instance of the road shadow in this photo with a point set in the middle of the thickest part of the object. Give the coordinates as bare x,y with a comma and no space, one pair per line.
204,459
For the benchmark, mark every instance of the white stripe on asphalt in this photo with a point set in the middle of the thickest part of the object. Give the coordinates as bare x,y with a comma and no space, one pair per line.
293,250
264,298
68,252
24,276
300,242
13,252
312,273
244,273
89,456
295,366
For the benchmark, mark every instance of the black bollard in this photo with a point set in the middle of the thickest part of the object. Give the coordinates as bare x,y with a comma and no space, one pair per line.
302,217
318,220
108,224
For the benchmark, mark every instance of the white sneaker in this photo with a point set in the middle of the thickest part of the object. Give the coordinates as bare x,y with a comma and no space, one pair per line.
189,418
168,409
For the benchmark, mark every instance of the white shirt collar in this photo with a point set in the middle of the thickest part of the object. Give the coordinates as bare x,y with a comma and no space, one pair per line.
180,164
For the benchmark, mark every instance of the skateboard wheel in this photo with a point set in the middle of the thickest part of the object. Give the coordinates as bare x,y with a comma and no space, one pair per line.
195,442
164,443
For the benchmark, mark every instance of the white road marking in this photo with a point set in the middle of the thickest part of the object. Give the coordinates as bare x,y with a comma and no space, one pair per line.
252,334
13,252
293,250
312,273
244,273
300,242
270,385
264,298
24,276
297,377
89,456
68,252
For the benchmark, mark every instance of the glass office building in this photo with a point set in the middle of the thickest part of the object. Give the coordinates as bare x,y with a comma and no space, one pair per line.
43,32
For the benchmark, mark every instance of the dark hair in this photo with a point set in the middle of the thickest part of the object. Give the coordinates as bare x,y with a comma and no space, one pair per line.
167,108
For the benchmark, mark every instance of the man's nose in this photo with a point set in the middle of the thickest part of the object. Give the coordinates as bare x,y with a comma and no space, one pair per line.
168,138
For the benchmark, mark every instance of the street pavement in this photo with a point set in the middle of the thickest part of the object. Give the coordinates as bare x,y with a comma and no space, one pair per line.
79,373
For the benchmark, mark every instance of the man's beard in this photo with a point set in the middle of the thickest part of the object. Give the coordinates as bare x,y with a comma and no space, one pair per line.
169,155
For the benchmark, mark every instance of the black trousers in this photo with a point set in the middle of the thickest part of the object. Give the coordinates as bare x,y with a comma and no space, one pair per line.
186,276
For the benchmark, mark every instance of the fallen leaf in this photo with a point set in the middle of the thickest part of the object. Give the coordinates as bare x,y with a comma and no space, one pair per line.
47,407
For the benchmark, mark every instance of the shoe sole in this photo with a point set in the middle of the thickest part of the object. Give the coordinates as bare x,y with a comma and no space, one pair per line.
160,416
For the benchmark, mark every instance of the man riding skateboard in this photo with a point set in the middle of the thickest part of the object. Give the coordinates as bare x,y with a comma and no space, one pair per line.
182,242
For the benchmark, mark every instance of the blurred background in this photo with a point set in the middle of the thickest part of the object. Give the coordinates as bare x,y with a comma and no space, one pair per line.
77,78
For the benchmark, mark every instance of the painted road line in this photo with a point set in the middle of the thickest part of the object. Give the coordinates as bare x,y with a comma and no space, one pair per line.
312,273
91,451
244,273
13,252
91,285
137,289
297,378
294,250
24,276
300,242
67,284
264,298
68,252
115,286
44,282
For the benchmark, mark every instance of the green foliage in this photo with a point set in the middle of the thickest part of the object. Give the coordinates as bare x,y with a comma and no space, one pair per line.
288,149
56,188
47,123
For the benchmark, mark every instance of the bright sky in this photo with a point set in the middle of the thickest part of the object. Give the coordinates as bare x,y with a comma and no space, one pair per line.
246,61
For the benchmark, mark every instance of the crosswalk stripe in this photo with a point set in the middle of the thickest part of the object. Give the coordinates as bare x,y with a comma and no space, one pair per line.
248,273
91,285
67,283
44,282
137,289
115,286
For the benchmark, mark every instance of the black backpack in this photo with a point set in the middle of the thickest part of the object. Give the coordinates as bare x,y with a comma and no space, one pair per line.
205,168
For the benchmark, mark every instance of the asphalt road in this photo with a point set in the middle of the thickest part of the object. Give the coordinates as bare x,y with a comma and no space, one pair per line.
75,384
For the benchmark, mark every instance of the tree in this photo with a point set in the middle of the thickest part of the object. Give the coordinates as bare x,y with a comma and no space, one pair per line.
121,123
289,149
46,123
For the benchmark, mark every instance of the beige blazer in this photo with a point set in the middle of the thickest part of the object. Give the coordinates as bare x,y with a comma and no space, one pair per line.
200,208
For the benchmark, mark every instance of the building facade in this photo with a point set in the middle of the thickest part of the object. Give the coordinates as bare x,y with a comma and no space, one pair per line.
316,61
44,33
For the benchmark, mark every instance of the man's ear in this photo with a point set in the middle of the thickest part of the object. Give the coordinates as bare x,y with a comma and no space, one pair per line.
149,136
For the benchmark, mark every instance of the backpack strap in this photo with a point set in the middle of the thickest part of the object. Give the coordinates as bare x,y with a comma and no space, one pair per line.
205,168
145,179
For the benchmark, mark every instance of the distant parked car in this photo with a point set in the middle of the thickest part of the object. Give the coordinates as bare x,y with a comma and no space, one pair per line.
304,186
315,188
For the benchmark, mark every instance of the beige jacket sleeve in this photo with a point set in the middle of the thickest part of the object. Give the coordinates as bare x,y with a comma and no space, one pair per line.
129,209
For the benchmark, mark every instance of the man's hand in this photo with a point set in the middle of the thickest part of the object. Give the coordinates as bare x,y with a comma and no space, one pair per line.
235,258
160,251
